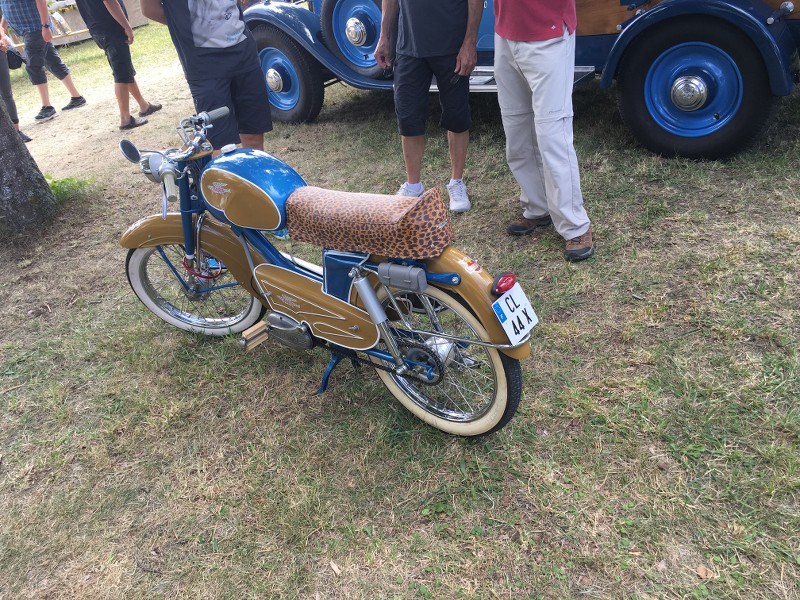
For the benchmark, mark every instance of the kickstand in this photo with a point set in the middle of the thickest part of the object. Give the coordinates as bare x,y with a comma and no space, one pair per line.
335,360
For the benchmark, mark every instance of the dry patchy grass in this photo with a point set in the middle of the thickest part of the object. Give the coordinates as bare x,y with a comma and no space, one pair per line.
655,454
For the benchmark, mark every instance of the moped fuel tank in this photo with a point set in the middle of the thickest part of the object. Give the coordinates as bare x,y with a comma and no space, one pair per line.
249,188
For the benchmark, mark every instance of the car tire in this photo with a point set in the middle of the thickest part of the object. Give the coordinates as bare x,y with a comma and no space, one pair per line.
293,77
696,88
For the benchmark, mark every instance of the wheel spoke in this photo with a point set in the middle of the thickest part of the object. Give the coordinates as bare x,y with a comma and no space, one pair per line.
160,279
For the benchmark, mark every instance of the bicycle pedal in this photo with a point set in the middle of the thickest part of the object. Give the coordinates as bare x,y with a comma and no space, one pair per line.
253,336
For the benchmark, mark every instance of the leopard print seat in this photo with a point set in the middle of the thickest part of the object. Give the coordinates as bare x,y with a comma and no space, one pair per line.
391,226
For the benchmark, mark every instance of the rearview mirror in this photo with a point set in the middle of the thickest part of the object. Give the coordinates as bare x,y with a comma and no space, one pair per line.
130,151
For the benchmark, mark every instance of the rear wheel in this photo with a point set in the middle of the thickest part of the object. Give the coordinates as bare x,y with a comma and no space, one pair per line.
293,77
696,88
473,390
214,306
350,29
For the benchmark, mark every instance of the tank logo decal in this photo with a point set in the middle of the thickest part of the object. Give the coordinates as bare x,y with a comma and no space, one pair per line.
219,187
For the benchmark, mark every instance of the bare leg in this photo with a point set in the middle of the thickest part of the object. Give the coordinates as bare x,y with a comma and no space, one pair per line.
252,140
44,93
413,149
121,92
73,91
458,143
133,88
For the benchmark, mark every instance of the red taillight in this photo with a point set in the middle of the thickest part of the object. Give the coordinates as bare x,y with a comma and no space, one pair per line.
502,283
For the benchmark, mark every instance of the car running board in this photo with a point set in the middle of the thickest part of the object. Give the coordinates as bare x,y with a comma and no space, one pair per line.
482,79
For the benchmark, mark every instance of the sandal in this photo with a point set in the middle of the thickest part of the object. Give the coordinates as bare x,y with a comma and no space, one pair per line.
151,108
134,122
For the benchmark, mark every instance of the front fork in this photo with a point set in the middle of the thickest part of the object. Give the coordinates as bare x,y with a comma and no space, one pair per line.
199,274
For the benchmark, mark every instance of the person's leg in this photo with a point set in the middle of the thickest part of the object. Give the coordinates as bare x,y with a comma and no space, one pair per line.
548,67
457,143
412,80
255,141
209,94
522,152
413,150
133,90
456,117
59,70
68,83
251,107
44,93
123,102
35,49
118,54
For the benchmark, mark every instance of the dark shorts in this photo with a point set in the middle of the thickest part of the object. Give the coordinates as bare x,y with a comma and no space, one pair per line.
118,53
40,54
245,95
412,81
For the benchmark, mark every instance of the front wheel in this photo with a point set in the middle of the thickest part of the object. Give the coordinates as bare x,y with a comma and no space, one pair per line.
695,88
217,305
473,390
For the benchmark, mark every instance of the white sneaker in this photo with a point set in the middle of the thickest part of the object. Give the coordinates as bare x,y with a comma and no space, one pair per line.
459,200
407,192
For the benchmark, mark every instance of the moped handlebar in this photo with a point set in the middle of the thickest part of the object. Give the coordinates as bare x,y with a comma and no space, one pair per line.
216,114
170,185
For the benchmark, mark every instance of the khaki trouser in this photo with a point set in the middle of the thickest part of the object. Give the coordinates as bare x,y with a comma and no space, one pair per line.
534,89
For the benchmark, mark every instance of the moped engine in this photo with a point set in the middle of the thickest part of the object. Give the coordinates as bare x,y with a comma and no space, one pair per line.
289,332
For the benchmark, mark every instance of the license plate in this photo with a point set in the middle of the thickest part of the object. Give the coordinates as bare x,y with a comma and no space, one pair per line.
515,314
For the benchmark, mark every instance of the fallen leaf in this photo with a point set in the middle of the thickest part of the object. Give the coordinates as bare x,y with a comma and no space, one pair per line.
705,573
336,568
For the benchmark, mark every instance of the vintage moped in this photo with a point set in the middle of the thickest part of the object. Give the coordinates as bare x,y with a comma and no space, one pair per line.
444,337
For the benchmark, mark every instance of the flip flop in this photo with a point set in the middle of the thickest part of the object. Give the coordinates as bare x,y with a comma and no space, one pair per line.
134,122
151,108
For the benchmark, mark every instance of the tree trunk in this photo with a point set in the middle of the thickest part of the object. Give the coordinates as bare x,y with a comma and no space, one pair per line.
25,198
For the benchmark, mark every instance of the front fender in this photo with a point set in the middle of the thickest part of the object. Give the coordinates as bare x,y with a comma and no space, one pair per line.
304,27
217,239
475,288
775,43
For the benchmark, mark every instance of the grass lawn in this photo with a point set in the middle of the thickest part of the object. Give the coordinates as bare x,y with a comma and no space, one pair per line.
655,453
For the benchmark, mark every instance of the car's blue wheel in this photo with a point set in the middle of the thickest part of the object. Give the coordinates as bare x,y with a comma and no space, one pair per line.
292,76
694,88
350,29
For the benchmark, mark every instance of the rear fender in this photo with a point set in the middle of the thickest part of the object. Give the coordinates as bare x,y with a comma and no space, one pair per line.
475,288
303,26
217,239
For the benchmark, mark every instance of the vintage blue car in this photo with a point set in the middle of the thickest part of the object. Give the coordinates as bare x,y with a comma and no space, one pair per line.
695,78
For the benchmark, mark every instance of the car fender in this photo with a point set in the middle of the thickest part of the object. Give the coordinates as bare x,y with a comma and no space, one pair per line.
303,26
775,43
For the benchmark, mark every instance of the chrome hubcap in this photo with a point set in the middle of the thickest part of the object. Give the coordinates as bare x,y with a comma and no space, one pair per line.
274,81
356,32
689,93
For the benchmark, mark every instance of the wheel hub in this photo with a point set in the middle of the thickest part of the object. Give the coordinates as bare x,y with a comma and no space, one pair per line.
356,32
274,81
430,368
689,93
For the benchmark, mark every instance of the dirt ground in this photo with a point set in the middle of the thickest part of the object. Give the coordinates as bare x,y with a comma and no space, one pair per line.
83,143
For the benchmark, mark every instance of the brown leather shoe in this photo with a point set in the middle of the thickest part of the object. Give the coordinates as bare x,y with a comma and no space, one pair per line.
580,248
523,226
